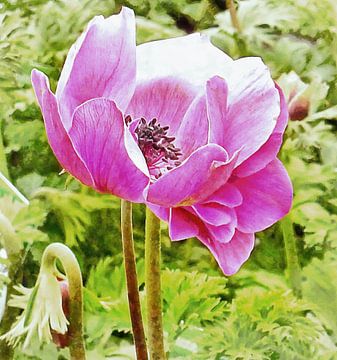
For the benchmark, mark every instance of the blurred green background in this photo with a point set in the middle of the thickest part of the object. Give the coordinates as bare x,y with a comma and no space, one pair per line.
255,314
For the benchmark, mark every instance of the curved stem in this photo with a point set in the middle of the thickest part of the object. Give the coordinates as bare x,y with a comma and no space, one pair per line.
71,267
293,267
153,287
131,281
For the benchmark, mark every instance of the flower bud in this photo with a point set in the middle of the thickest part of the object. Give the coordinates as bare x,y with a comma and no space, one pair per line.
299,108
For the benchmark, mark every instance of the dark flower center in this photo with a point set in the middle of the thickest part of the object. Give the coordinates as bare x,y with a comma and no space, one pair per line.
158,148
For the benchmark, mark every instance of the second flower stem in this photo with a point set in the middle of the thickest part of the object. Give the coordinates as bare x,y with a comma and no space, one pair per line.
153,287
131,281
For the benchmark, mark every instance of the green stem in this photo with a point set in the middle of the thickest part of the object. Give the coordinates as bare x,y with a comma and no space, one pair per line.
293,267
131,281
73,273
153,287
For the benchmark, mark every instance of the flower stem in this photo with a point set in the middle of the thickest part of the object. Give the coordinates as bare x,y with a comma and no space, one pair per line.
293,268
153,287
131,281
234,17
73,273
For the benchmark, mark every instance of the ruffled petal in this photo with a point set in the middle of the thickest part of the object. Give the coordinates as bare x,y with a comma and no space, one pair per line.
162,212
187,58
227,195
116,163
267,197
253,106
222,233
231,255
187,138
214,214
166,99
195,179
102,63
182,224
57,136
270,149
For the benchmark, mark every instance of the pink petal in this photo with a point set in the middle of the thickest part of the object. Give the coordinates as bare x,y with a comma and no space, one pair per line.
214,214
57,136
187,138
166,99
101,138
217,92
183,224
191,58
227,195
195,179
267,197
253,106
161,212
222,233
232,255
269,150
102,63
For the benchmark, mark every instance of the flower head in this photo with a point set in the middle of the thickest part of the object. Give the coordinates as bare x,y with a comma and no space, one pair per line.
42,311
176,124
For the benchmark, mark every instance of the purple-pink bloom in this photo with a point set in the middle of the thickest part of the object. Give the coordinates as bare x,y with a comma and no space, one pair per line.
176,124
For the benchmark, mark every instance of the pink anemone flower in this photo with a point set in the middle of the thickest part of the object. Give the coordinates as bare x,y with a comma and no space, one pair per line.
176,124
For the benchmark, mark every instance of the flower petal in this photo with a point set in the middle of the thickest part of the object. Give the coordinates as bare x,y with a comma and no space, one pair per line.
267,197
187,139
102,63
222,233
187,57
253,106
195,179
232,255
214,214
269,150
227,195
57,136
166,99
217,93
100,136
182,225
162,212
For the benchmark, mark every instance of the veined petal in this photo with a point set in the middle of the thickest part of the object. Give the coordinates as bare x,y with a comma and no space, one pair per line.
267,197
249,116
100,136
188,139
57,136
187,58
222,233
195,179
227,195
166,99
214,214
162,212
182,224
231,255
102,63
269,150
